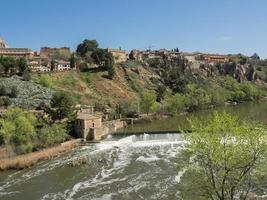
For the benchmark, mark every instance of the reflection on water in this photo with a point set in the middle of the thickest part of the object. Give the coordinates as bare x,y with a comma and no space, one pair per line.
250,110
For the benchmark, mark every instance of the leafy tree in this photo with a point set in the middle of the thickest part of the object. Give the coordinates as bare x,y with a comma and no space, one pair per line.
86,46
72,61
148,102
52,65
49,135
197,98
161,90
109,65
225,153
100,56
22,65
62,106
176,103
18,128
45,80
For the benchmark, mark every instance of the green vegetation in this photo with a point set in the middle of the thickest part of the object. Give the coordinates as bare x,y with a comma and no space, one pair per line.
90,53
62,106
225,155
148,102
45,80
51,134
18,129
11,66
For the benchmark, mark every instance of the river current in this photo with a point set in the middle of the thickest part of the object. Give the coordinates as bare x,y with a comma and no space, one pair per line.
132,167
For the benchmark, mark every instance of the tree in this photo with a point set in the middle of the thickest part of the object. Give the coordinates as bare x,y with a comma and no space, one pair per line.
148,102
50,135
86,46
62,106
22,65
45,80
52,65
109,65
225,153
161,89
176,103
72,61
18,128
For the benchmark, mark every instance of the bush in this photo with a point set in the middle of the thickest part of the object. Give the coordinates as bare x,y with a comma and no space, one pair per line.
50,135
13,92
176,103
18,128
45,80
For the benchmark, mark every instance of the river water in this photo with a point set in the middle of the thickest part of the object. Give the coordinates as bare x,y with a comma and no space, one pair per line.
133,167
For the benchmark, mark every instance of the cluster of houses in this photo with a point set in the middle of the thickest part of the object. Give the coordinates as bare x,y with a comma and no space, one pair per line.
42,61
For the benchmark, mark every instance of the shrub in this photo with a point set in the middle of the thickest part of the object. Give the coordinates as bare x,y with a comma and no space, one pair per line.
50,135
45,80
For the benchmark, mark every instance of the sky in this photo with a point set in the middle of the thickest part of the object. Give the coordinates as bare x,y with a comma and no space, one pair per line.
214,26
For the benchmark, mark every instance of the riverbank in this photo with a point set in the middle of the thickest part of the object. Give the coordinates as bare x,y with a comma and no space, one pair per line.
167,124
28,160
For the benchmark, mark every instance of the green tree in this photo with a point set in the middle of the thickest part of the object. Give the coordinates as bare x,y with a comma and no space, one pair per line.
161,90
52,65
86,46
109,65
18,128
225,153
176,103
22,65
45,80
62,106
148,102
72,61
49,135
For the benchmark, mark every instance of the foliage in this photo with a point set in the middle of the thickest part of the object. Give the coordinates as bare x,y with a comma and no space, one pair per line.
197,98
161,90
18,128
51,134
86,46
176,103
148,102
225,153
11,66
45,80
62,106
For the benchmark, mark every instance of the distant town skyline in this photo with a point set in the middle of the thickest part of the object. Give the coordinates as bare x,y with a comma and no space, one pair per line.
211,26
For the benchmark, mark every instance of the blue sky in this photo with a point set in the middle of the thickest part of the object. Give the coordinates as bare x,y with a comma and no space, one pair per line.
217,26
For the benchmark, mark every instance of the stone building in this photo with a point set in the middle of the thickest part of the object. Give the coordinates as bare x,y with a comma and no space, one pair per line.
62,53
119,55
5,50
87,125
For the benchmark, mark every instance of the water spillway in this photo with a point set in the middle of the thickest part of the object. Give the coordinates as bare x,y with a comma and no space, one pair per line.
132,167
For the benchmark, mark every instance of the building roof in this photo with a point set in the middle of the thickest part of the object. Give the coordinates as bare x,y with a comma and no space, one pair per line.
88,116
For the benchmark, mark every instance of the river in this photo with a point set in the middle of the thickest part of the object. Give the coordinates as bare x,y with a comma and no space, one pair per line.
120,168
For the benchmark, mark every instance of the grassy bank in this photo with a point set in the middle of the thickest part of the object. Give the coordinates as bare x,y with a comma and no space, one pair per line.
28,160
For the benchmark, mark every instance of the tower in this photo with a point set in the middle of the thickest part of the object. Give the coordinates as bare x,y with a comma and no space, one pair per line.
3,44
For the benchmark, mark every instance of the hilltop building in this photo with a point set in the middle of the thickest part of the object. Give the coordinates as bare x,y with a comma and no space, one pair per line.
62,53
119,55
5,50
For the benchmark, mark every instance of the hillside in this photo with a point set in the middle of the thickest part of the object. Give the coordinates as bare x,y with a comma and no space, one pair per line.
93,88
